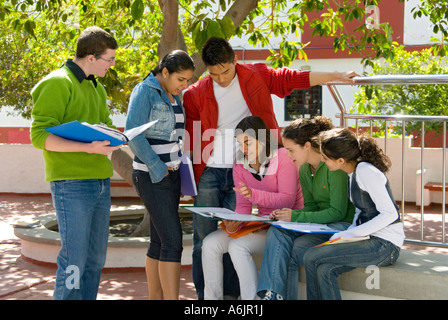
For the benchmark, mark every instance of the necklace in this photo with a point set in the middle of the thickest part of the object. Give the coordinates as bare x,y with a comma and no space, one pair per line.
313,170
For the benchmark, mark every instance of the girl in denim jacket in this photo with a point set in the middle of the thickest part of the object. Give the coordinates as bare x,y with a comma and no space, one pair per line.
155,166
376,220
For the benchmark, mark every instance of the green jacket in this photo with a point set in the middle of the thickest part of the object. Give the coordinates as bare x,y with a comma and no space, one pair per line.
325,196
62,96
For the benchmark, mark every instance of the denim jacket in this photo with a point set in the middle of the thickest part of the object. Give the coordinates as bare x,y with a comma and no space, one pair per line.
362,200
149,102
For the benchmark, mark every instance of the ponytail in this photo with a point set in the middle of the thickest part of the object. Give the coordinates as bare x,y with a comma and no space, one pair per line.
303,130
342,143
371,152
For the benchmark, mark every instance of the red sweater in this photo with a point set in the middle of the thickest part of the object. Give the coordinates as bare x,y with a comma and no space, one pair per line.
257,82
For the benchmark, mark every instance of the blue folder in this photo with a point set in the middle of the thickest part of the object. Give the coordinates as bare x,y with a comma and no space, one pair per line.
75,130
188,184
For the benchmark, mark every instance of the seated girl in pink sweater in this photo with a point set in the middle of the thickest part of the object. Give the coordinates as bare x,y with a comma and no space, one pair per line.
265,177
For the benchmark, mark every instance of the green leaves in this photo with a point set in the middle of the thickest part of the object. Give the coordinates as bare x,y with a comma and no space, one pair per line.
399,99
38,38
287,53
205,28
137,9
437,12
227,27
29,27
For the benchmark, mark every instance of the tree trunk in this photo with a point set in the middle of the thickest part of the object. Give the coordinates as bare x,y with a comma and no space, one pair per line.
142,229
171,37
240,9
122,162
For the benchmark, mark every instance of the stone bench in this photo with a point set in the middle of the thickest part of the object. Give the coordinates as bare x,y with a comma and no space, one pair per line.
417,275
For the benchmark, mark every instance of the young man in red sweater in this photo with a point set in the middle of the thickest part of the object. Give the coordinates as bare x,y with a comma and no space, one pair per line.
214,106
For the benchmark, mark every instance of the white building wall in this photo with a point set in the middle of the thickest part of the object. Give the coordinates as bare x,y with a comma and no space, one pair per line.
417,31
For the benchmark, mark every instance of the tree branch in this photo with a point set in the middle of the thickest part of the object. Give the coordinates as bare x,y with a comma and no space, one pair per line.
237,13
240,9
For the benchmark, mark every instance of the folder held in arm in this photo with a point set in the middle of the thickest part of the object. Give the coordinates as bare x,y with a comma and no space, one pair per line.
85,132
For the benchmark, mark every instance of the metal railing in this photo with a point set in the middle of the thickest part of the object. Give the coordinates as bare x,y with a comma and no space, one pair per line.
403,119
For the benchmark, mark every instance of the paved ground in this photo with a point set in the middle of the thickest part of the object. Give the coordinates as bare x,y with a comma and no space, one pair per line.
22,280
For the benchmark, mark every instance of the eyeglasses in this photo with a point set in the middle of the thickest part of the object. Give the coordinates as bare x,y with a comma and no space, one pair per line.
111,60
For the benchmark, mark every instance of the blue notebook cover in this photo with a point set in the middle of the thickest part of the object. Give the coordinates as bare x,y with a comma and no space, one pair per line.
188,184
77,131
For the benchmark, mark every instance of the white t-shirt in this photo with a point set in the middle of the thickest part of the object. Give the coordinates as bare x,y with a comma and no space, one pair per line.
373,181
232,108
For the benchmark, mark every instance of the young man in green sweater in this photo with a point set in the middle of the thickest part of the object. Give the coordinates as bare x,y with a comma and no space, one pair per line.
78,172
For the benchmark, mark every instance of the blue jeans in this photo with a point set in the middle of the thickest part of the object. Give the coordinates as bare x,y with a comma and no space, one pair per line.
161,199
283,254
83,209
215,189
324,264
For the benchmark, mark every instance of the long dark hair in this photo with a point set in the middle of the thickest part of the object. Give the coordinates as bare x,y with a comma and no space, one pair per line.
175,61
342,143
303,130
256,128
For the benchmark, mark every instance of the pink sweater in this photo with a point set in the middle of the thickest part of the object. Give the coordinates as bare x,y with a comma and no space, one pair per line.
280,187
